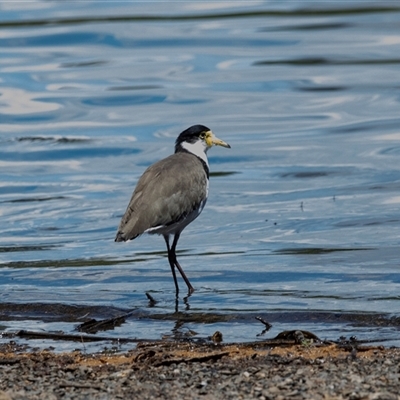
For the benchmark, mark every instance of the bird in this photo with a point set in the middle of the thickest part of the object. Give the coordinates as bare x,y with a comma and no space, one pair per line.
171,194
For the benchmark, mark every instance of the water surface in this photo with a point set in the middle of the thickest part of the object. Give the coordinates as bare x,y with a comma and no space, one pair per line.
302,222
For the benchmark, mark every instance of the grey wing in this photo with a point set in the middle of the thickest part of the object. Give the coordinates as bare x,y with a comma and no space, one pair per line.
166,192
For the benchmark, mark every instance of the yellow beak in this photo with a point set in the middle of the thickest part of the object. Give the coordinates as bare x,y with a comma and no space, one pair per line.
212,140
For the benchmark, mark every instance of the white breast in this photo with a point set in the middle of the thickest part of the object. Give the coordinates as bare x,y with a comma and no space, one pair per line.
199,149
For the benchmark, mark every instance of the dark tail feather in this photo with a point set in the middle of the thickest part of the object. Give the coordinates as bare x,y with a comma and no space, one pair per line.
120,237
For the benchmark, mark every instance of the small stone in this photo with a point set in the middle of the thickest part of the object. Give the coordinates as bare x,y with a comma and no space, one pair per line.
202,384
273,390
383,396
120,374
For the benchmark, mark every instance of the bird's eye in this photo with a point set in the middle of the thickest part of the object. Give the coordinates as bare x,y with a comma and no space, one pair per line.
202,135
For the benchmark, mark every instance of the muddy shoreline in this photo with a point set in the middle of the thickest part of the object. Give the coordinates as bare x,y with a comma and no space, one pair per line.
187,370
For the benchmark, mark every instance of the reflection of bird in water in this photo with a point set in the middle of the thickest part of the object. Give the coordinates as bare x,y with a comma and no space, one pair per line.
172,193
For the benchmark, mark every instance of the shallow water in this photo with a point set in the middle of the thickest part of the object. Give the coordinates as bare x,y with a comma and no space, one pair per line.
302,222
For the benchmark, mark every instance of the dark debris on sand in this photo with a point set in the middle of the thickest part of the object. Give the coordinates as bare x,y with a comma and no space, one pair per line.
174,370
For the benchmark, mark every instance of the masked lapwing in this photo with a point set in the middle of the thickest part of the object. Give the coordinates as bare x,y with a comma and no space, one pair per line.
171,194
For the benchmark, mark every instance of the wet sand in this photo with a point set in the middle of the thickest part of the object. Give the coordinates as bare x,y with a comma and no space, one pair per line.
177,370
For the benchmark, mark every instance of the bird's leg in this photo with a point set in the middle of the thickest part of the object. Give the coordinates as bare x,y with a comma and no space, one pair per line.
175,261
171,258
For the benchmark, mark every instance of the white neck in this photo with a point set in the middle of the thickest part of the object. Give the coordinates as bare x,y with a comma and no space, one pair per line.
199,149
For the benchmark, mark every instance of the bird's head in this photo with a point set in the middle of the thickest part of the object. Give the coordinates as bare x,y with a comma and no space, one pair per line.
198,138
